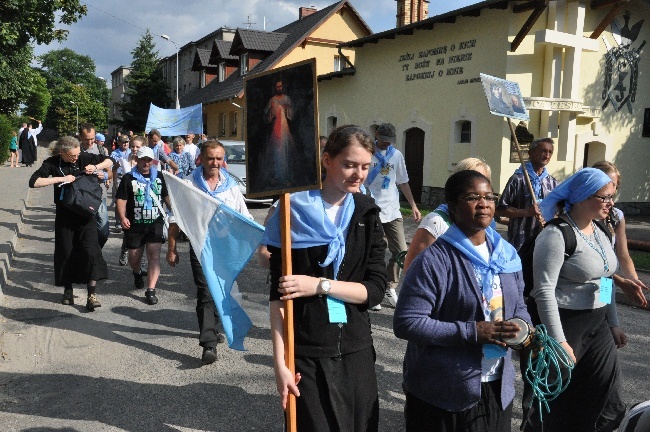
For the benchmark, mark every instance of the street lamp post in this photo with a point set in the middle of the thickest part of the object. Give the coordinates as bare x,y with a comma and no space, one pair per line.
76,106
178,105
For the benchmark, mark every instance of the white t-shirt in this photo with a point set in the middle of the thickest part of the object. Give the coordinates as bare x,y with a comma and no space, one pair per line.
491,368
388,199
434,224
192,149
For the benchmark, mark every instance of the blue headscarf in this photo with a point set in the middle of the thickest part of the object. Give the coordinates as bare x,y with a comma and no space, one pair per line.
153,174
575,189
199,180
535,180
310,226
504,258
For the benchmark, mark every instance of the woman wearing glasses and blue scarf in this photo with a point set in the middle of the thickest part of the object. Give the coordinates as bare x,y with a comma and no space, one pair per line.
338,273
457,294
575,300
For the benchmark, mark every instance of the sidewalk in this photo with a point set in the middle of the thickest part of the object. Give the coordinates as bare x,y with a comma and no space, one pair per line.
14,189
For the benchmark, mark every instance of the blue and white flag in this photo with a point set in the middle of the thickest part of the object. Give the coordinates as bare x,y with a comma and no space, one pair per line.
173,122
224,241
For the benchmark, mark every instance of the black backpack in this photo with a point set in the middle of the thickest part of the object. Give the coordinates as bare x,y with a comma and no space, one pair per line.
83,196
570,244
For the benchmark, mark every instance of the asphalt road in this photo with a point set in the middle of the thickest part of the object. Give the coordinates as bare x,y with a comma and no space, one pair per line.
133,367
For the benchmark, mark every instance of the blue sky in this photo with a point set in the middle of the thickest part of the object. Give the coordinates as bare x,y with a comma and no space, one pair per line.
112,28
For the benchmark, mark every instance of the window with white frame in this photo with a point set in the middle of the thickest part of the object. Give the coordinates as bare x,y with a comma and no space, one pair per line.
222,72
337,63
233,130
464,131
222,130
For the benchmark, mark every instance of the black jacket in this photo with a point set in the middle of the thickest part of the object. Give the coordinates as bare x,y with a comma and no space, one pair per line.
363,262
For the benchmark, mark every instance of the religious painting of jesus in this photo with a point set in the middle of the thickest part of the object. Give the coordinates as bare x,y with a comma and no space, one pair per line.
282,130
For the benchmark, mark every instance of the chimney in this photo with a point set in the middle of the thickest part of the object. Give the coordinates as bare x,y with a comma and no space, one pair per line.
306,11
410,11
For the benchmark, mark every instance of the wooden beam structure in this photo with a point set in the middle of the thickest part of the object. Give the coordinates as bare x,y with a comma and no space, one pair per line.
618,6
530,22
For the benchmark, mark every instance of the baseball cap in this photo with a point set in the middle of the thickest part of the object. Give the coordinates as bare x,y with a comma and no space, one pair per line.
145,152
100,137
123,139
386,132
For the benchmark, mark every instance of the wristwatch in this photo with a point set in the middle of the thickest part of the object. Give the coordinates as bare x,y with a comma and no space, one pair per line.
325,286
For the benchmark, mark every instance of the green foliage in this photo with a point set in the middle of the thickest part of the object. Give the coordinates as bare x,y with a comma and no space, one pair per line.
16,79
6,126
145,85
641,260
39,99
23,22
71,77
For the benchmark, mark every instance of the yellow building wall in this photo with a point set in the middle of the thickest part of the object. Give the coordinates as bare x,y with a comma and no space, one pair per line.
213,114
340,27
380,92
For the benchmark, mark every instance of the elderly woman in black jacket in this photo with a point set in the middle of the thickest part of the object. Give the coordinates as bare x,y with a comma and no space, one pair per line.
77,255
338,273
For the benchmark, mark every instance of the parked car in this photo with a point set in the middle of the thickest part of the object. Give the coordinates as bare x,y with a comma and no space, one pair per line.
236,159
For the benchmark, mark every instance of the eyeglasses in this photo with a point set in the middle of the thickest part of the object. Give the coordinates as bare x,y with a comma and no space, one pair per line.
473,199
605,198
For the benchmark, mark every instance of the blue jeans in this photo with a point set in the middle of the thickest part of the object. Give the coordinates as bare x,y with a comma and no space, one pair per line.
102,224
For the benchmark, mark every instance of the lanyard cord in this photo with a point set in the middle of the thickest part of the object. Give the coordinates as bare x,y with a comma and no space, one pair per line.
600,250
549,369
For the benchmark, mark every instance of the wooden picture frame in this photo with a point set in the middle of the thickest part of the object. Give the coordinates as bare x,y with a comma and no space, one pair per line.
282,139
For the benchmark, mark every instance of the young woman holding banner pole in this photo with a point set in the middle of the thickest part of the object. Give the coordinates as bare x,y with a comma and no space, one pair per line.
338,273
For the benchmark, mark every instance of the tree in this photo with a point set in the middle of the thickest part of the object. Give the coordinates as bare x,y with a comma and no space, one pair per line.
22,23
71,77
38,101
16,79
144,85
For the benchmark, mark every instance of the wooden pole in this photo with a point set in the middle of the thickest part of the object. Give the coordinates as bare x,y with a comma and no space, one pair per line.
289,355
523,168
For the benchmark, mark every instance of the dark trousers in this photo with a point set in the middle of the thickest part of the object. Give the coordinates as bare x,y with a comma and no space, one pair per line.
486,416
338,394
205,309
591,402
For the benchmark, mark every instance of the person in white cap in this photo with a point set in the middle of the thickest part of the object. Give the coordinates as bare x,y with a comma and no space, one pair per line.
387,176
139,207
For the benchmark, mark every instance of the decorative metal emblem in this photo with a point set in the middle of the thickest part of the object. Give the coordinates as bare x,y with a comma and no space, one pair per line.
622,65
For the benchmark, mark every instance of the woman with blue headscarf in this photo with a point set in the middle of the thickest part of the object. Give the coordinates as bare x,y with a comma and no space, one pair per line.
575,301
337,256
452,310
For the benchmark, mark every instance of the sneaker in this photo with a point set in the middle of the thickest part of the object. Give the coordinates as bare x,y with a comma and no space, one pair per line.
391,296
117,228
92,303
124,257
138,281
221,338
209,355
150,294
68,297
376,308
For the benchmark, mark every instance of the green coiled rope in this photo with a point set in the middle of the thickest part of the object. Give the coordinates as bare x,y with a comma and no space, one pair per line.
549,369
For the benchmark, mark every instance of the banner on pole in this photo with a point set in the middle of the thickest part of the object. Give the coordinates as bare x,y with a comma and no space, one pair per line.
224,241
175,122
504,98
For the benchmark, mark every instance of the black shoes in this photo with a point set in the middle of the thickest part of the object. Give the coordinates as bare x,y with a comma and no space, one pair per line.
209,355
150,294
221,338
92,303
138,281
68,297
